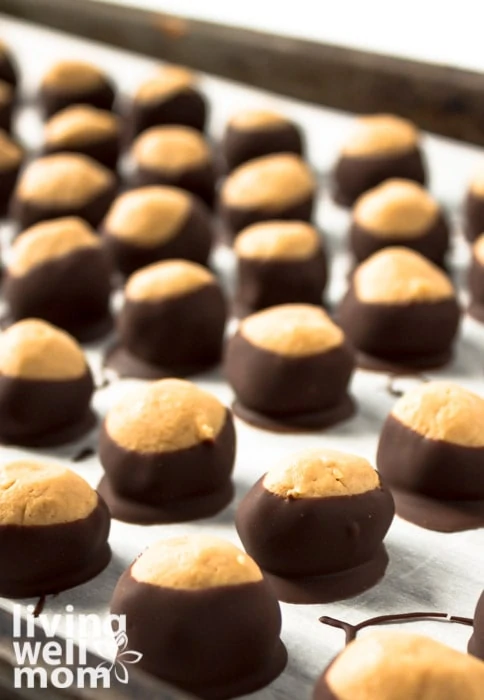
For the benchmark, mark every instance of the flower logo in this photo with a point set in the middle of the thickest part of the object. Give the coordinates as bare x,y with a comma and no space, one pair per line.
124,656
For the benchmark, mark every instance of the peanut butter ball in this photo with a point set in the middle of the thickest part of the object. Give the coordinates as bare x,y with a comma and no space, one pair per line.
171,96
399,213
11,156
177,156
400,312
150,224
168,451
279,186
476,280
59,271
476,643
53,529
84,129
315,524
172,322
75,82
45,386
289,367
381,146
226,617
388,665
8,67
63,184
430,454
474,205
279,262
253,133
7,95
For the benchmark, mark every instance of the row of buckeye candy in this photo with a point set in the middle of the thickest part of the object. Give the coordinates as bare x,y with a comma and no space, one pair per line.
277,185
400,311
289,365
222,606
430,449
378,148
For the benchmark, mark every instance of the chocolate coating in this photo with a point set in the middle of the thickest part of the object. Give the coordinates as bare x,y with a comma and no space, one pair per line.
31,209
241,145
354,175
29,213
8,180
175,156
216,643
432,243
42,413
279,186
199,180
37,560
473,216
405,336
476,643
11,157
299,539
8,67
53,99
164,487
238,218
289,390
263,282
193,241
159,334
437,484
476,289
6,111
82,129
186,106
6,106
71,292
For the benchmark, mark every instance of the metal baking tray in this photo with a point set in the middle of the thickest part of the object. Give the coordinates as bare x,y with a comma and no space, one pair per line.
428,571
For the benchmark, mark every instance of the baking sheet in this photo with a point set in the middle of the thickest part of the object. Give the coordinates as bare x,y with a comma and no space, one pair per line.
428,571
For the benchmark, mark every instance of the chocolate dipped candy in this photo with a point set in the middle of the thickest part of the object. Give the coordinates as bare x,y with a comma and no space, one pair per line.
203,617
75,82
63,184
6,106
11,156
430,454
381,146
8,69
168,452
289,367
172,322
400,312
279,186
53,530
177,156
474,205
45,386
171,96
58,271
399,213
150,224
315,524
476,280
476,643
388,665
84,129
278,262
253,133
